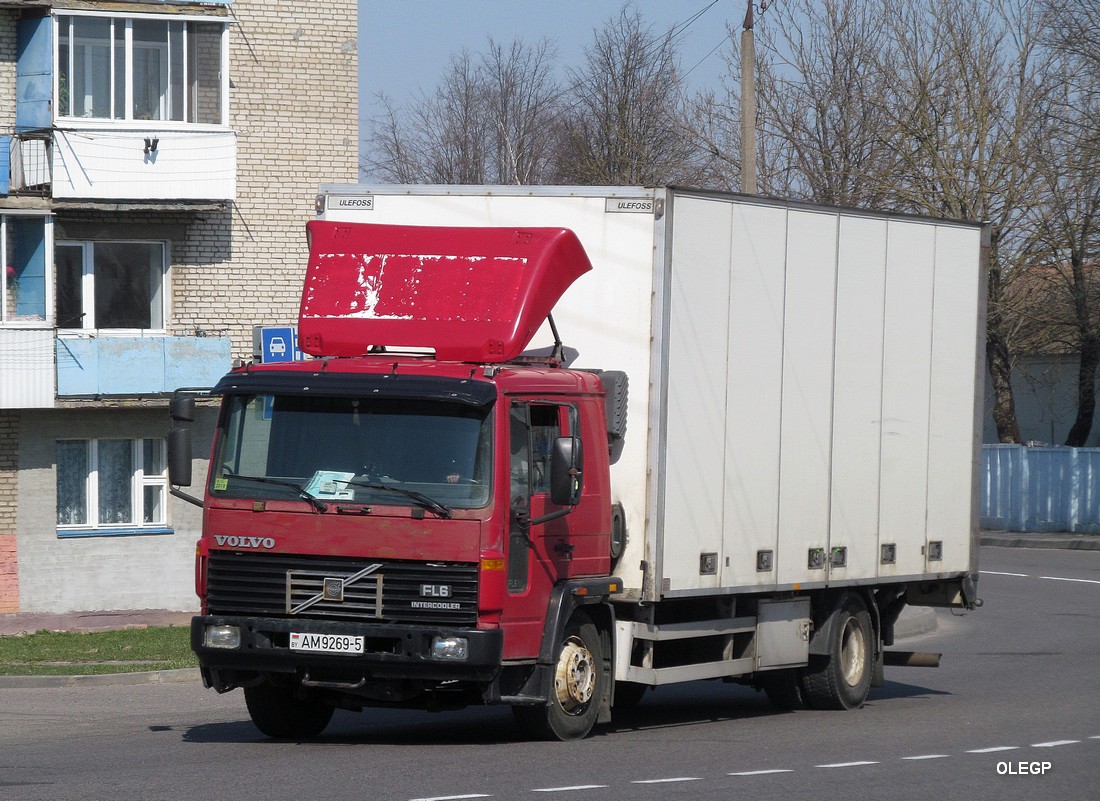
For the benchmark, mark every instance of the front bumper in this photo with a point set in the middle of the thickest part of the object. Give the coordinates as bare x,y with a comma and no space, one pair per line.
392,651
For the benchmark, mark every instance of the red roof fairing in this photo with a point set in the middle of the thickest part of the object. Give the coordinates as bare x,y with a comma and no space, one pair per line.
471,294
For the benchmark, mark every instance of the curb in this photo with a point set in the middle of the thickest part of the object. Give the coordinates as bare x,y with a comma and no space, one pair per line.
1052,541
181,676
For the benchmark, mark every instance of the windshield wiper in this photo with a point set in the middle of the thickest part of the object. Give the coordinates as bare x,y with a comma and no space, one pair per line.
422,500
313,501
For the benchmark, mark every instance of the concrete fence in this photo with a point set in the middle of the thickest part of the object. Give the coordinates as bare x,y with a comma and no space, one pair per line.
1040,489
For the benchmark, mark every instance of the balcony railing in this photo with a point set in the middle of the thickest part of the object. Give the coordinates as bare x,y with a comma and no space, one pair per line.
29,163
100,161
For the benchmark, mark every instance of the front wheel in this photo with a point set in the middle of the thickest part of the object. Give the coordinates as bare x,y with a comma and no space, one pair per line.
842,679
579,679
278,712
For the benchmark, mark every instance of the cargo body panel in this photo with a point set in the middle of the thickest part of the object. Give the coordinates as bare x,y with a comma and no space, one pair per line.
803,380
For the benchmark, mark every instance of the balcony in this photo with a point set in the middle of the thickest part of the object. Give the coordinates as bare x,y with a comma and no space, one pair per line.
105,366
37,367
108,162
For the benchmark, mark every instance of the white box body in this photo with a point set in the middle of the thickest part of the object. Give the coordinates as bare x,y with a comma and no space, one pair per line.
803,380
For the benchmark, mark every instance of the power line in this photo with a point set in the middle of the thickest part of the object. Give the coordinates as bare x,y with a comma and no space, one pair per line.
677,30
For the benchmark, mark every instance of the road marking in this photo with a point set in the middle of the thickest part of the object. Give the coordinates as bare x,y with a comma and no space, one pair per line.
567,789
929,756
764,772
667,781
845,764
1054,743
1048,578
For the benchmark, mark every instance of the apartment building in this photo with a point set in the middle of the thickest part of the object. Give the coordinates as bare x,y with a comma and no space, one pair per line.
158,162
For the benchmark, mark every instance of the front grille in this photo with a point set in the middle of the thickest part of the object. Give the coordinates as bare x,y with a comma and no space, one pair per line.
334,588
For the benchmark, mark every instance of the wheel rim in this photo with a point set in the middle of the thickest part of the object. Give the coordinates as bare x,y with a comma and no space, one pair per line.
575,678
853,652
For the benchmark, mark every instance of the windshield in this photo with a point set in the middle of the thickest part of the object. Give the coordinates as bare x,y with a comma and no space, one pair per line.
397,452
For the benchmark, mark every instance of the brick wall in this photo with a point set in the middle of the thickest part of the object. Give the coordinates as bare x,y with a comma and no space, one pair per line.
9,567
8,17
294,67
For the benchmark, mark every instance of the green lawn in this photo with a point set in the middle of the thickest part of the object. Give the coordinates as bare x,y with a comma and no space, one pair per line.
49,653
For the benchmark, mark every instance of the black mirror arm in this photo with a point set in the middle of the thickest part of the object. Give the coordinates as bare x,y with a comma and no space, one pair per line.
191,499
552,516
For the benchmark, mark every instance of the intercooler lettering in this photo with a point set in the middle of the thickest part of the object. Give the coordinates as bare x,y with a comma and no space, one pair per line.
434,605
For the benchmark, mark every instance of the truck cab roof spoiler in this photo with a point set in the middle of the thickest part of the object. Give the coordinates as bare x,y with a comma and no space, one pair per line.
470,294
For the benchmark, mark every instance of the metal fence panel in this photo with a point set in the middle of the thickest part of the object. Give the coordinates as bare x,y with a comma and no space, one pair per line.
1040,489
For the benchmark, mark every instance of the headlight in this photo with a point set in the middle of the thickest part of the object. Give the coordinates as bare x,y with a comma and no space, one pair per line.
452,648
222,637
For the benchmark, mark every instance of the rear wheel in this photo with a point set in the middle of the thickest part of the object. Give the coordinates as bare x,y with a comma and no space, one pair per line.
278,712
579,678
842,679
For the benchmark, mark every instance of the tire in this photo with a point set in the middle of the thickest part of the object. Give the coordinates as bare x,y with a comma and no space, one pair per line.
842,679
578,688
783,688
278,712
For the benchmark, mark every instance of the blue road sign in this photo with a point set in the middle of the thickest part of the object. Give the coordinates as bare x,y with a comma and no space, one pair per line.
279,344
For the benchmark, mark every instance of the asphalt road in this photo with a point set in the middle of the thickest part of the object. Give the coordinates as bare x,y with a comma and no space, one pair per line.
1011,714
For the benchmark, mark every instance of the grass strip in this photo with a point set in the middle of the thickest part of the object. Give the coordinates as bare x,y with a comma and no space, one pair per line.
66,653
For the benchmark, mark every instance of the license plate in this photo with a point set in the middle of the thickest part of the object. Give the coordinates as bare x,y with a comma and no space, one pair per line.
326,643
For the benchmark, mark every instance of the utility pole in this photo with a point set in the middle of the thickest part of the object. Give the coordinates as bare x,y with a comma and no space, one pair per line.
748,105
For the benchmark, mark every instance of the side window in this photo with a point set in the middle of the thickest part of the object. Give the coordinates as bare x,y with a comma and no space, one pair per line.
545,428
520,464
519,446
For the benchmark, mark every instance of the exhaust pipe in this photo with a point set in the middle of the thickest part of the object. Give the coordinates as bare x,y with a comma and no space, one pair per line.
910,659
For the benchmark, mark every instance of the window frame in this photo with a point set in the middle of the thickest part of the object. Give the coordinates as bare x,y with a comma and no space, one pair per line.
9,288
87,286
126,63
139,482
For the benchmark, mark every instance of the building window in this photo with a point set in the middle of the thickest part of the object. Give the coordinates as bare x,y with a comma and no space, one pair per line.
110,285
111,485
24,241
141,69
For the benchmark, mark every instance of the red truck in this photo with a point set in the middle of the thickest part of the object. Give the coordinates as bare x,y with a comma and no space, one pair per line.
431,513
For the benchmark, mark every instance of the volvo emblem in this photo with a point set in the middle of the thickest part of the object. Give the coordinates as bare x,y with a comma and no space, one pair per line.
332,589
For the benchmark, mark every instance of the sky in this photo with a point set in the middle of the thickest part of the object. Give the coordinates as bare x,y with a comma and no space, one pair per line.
406,45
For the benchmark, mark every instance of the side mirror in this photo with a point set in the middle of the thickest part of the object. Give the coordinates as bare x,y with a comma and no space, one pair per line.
181,408
566,471
179,457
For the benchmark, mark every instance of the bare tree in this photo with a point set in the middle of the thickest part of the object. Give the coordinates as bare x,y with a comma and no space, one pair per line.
491,119
1064,248
968,93
822,112
624,123
934,108
523,101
